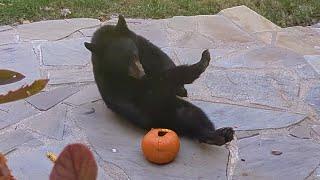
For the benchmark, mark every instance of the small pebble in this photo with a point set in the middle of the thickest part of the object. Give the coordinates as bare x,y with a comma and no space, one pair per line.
243,160
277,153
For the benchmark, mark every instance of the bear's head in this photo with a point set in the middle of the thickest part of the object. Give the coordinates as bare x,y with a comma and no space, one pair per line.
114,50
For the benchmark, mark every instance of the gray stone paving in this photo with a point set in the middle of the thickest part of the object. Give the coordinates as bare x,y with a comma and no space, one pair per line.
263,81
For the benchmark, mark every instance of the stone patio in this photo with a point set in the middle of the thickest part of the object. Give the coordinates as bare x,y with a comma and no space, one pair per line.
263,80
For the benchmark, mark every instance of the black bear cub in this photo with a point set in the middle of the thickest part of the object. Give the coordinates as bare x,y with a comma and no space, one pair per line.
141,83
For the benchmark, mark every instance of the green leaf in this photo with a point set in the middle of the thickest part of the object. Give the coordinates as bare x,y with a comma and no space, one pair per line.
24,91
76,162
7,76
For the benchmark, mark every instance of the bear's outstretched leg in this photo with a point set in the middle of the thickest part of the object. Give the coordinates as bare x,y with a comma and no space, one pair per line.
186,74
193,122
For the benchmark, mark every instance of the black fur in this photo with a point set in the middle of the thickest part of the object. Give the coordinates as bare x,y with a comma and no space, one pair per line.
150,101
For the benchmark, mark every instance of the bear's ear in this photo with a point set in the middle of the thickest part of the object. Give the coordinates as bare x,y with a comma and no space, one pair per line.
91,47
121,25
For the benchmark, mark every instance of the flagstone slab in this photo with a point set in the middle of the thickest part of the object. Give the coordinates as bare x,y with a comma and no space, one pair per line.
262,57
249,20
276,88
106,131
88,94
30,165
189,40
66,76
20,58
298,40
12,140
50,123
245,118
298,159
158,37
183,23
65,52
46,100
54,29
219,28
13,112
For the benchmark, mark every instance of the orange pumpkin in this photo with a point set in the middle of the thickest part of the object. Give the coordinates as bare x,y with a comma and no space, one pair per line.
160,146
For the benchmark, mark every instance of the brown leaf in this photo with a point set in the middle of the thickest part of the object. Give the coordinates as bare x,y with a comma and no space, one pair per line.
7,76
24,91
76,162
5,173
276,153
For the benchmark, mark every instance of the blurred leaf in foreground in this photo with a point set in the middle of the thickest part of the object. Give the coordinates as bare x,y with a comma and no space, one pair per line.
24,91
76,162
7,76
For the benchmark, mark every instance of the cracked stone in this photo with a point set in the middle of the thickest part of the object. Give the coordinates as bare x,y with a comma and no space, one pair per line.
65,52
13,112
88,32
245,118
50,123
12,140
293,163
249,20
313,98
222,29
46,100
20,58
65,76
274,88
54,29
106,131
88,94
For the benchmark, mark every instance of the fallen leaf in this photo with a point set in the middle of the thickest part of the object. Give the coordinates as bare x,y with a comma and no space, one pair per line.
8,76
24,91
76,162
276,153
5,173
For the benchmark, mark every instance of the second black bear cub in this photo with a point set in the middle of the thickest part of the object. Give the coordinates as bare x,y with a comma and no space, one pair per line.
149,101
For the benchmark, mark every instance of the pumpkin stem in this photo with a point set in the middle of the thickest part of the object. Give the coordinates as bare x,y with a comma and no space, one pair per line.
162,133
